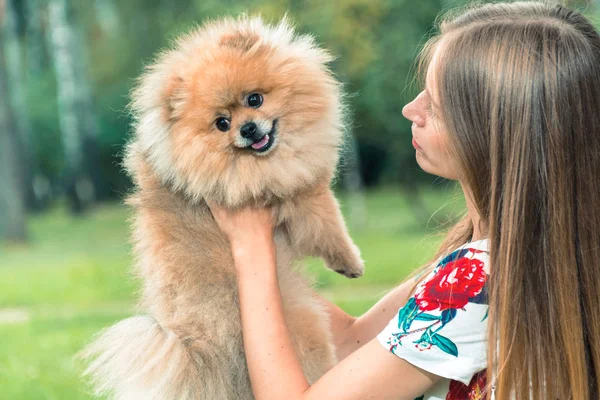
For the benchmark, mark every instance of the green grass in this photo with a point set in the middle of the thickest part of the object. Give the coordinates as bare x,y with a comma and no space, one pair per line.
72,280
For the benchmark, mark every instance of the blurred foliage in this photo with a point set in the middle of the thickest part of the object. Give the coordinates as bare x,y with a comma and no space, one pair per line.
375,41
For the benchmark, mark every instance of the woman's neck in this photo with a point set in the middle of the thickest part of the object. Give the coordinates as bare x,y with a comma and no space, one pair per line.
479,229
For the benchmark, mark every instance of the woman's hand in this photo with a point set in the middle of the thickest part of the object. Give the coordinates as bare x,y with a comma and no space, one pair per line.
249,230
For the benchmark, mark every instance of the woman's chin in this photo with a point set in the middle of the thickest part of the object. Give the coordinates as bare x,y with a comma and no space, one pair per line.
422,161
427,166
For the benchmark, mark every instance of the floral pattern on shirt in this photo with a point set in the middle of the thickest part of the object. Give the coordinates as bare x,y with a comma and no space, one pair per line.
474,391
457,279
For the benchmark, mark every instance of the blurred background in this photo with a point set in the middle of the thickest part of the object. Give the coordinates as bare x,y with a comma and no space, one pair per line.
66,68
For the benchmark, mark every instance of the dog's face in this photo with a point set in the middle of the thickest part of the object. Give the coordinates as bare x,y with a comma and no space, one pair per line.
238,112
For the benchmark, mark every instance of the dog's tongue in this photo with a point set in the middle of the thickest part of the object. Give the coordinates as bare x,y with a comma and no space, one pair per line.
261,144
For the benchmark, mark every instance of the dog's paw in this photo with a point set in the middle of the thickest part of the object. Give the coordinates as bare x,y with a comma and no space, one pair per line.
349,274
350,265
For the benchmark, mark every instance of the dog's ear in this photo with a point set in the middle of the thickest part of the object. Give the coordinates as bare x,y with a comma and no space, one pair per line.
243,41
174,97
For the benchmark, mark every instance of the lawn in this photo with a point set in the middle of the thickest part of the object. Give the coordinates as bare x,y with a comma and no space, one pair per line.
72,280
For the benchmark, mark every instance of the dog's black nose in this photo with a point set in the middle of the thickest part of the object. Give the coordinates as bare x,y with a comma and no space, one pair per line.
248,130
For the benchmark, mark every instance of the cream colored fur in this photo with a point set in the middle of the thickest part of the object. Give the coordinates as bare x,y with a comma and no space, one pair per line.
188,342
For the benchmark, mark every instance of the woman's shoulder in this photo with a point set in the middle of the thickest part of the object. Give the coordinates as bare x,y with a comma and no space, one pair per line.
465,262
442,327
480,245
457,279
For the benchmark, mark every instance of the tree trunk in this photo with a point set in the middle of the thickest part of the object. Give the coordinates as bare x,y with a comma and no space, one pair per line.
107,15
78,133
16,91
12,210
89,122
36,51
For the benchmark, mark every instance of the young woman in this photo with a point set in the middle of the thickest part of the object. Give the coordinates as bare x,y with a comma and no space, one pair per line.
511,110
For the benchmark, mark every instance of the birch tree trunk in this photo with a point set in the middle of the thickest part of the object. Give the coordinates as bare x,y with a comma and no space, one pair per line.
16,91
74,102
12,210
87,108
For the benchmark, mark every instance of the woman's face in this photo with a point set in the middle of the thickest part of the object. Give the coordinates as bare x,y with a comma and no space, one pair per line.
430,138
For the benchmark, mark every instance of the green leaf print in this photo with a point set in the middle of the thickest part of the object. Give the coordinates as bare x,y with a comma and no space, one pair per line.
407,314
447,316
445,344
426,317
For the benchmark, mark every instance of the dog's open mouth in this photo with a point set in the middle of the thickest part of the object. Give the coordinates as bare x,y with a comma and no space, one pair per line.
266,142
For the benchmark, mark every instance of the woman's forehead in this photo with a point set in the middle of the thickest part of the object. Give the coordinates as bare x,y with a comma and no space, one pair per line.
430,76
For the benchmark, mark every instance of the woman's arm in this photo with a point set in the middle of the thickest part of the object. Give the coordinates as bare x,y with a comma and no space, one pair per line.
275,371
342,327
274,368
351,333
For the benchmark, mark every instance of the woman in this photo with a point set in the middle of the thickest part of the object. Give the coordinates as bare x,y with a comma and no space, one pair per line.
511,110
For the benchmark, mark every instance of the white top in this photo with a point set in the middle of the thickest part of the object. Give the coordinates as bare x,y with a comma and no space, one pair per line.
442,328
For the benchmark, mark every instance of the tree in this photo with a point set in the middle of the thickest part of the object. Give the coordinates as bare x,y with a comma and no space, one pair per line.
12,210
16,90
36,61
76,115
107,15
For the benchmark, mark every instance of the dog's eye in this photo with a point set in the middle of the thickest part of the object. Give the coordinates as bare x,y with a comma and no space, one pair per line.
223,124
255,100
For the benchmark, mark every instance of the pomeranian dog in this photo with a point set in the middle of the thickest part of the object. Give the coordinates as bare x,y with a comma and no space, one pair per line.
240,113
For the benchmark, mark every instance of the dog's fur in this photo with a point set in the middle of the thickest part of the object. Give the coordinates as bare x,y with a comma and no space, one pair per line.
189,346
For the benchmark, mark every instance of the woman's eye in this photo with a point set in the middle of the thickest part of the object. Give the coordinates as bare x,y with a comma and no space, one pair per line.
255,100
223,124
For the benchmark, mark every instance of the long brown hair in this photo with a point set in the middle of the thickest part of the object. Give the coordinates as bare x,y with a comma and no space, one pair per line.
519,94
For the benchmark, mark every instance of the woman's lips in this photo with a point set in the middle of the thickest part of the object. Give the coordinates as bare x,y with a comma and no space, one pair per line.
415,145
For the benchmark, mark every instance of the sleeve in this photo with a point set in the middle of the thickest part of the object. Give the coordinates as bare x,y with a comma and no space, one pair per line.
442,329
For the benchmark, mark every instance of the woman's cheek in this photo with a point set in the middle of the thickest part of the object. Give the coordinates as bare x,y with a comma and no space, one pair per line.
438,144
444,158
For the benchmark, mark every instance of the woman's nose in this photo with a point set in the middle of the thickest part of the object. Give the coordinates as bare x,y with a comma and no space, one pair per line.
412,112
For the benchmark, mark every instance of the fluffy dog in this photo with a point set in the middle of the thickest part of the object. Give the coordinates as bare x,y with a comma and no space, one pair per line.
237,112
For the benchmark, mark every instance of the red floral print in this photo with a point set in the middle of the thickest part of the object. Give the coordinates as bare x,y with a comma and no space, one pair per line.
475,390
452,286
